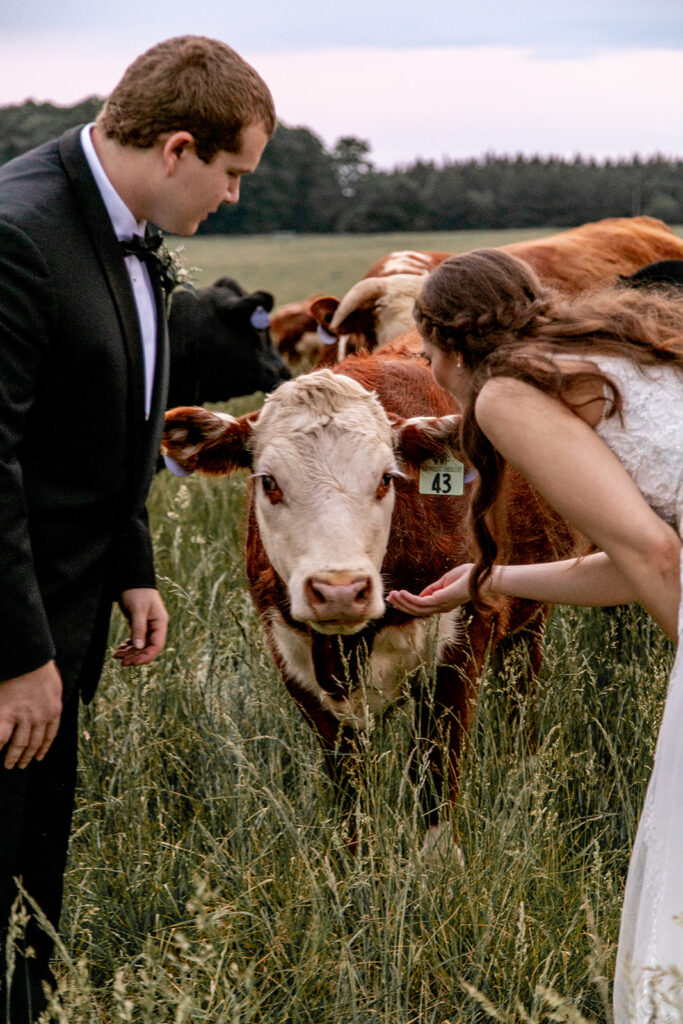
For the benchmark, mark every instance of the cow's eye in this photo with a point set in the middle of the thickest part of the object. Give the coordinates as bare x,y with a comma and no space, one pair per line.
384,485
271,488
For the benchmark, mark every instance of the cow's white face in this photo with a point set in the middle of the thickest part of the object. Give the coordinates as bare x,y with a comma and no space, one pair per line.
322,456
324,468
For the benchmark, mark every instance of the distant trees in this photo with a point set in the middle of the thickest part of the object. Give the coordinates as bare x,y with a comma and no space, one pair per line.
300,186
27,125
351,157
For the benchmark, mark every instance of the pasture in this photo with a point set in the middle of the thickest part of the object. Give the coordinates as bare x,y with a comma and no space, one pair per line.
295,266
208,878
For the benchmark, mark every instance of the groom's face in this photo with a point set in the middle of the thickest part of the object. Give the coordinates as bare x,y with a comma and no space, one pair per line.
196,189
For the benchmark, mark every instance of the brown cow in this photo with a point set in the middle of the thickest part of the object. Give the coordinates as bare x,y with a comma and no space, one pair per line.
294,332
336,520
379,306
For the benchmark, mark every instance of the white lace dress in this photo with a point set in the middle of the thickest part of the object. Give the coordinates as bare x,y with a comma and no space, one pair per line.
648,985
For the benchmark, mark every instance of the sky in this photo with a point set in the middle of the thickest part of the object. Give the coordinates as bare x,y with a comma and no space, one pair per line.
434,80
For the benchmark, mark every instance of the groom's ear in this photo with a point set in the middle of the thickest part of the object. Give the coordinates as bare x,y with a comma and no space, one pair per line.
174,147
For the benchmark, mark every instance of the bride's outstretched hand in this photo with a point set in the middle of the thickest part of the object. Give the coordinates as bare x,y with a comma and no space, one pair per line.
441,596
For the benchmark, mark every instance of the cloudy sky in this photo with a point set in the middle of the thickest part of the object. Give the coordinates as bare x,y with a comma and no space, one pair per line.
435,79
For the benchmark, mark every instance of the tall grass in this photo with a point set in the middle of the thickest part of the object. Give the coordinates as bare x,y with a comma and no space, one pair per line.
209,879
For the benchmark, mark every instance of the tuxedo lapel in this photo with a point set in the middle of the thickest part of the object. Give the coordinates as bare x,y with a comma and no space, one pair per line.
155,423
105,243
161,370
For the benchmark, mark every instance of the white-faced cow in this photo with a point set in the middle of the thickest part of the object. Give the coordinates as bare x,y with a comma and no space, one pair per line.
337,519
220,344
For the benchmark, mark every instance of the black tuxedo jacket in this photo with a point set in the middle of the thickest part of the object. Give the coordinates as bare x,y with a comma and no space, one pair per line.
76,453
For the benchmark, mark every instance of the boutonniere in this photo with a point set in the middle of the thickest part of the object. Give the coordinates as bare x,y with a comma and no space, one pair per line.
168,264
172,271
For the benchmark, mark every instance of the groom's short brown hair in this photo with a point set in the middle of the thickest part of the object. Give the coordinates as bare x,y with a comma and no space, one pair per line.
189,83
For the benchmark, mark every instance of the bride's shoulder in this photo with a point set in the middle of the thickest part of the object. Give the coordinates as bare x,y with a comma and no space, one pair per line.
587,396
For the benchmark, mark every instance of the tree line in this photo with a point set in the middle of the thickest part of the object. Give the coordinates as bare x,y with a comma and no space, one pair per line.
303,187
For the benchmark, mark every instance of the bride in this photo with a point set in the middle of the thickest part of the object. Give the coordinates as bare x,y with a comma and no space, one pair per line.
585,398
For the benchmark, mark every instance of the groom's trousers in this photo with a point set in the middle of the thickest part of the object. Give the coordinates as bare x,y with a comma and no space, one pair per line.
36,805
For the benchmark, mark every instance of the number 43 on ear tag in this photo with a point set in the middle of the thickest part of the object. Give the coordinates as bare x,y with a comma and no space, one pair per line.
445,477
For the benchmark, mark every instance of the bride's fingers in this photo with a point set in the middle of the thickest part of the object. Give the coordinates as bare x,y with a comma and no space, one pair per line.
412,603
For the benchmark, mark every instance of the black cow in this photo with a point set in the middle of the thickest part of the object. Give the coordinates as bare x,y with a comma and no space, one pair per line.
664,273
220,344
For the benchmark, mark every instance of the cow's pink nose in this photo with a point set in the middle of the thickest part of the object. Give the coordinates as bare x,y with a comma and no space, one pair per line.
337,596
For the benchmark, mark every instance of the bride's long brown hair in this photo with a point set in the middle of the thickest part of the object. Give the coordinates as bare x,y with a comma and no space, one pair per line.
491,307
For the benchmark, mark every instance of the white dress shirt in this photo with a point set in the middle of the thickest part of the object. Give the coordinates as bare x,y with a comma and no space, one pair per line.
125,225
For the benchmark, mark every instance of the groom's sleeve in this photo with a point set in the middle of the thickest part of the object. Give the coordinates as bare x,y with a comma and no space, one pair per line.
26,299
136,557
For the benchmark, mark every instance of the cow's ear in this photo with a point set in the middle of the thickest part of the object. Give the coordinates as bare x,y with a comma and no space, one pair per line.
231,305
427,437
323,308
264,299
210,442
330,327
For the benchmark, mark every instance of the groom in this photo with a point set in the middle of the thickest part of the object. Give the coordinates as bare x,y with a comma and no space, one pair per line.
83,375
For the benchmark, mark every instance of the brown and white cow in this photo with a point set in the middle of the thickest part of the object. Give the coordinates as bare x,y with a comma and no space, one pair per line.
380,305
336,520
294,331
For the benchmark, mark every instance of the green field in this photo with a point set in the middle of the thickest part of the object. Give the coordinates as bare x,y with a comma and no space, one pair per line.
295,266
208,879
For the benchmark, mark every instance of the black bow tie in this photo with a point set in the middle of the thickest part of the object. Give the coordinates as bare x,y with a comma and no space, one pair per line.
144,248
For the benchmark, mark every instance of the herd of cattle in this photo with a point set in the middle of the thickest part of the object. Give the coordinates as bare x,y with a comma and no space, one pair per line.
337,516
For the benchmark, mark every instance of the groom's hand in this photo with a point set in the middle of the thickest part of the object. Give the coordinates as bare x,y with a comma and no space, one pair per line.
148,620
30,710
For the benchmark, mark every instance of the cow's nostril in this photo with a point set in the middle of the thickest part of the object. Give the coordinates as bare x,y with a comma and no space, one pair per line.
313,593
338,596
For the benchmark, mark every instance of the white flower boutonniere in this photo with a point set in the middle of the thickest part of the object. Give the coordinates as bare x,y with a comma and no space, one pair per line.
172,271
167,264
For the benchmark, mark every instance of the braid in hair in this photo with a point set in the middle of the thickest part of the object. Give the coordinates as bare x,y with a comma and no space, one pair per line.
472,304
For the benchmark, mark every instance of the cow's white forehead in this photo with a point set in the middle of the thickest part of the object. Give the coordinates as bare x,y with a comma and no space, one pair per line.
316,401
406,261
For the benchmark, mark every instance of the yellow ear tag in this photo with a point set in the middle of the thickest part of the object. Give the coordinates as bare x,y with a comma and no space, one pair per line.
442,476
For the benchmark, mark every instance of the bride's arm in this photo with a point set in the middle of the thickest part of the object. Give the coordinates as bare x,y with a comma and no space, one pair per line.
566,461
590,581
